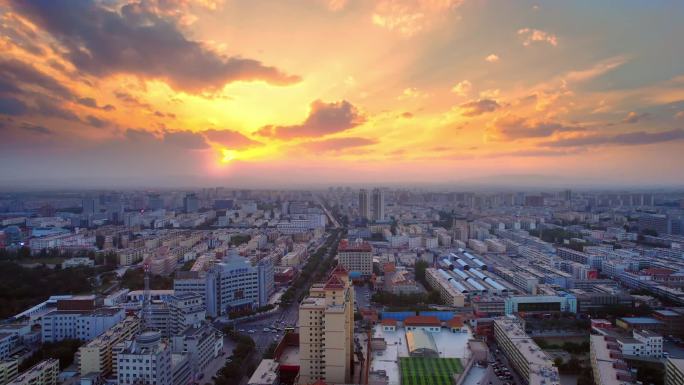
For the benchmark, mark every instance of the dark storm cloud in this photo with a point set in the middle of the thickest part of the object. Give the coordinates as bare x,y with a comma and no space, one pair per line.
11,106
324,119
101,42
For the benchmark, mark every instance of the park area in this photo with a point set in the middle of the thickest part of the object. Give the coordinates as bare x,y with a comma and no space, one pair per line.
428,371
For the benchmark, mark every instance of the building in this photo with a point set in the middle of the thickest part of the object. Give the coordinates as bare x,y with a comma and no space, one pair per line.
674,371
420,343
185,309
191,203
200,344
450,293
425,323
266,373
76,262
364,204
43,373
655,222
146,360
232,285
96,356
326,327
378,205
523,354
83,325
606,362
9,370
355,257
541,304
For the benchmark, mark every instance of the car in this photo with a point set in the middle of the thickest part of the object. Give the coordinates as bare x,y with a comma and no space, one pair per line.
250,331
241,330
274,331
267,330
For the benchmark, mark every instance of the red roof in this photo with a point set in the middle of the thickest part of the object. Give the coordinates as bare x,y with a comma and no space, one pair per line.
455,322
389,322
334,283
422,320
389,267
345,245
339,270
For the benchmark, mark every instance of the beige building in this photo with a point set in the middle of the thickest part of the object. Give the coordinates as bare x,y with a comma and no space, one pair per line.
96,356
326,328
674,371
43,373
526,357
606,362
356,256
447,291
8,371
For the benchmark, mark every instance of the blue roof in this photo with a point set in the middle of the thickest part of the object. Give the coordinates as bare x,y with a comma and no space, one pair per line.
641,320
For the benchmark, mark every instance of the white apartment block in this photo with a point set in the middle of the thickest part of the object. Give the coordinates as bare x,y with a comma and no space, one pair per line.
82,325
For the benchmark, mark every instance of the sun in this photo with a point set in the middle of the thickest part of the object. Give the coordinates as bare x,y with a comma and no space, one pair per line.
228,155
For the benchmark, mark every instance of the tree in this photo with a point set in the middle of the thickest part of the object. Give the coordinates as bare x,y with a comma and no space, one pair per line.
419,270
99,241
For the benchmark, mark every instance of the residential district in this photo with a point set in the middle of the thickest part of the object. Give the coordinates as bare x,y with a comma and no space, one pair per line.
342,286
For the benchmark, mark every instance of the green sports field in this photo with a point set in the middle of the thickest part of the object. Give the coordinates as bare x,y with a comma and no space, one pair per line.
428,371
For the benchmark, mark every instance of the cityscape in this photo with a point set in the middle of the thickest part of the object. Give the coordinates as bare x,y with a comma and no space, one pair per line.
341,192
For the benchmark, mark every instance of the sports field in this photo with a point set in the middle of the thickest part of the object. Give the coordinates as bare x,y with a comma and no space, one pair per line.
428,371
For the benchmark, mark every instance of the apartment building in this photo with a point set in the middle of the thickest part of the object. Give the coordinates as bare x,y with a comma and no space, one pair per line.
84,325
674,371
607,363
9,370
355,256
96,356
326,327
43,373
200,343
524,355
146,360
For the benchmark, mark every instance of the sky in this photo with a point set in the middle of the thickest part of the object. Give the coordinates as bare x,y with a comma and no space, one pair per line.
317,92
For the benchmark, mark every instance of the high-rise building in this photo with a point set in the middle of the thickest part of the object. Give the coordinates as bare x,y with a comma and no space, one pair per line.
90,206
43,373
191,203
326,327
146,360
200,343
9,370
378,205
364,204
96,356
674,371
155,202
355,256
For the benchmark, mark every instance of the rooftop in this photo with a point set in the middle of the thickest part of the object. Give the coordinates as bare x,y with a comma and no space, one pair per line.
265,373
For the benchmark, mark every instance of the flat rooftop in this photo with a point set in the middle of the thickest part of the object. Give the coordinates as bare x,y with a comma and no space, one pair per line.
449,345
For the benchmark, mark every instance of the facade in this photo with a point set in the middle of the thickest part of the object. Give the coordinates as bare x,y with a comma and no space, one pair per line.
9,370
43,373
378,205
606,362
674,371
199,344
326,327
355,257
75,324
541,304
145,361
96,356
231,285
449,293
528,359
185,310
364,204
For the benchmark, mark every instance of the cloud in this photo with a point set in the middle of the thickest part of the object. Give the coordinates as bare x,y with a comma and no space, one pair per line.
337,144
408,17
407,115
530,36
324,119
186,139
139,136
133,40
478,107
634,117
22,75
336,5
492,58
635,138
412,93
514,127
679,115
95,121
463,88
596,70
12,106
132,100
36,129
92,103
229,138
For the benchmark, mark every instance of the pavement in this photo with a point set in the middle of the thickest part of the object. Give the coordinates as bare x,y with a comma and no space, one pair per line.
360,293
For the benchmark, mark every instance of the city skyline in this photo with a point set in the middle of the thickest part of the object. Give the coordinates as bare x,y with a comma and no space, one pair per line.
258,94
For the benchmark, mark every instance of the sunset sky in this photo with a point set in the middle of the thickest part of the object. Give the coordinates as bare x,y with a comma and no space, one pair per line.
259,93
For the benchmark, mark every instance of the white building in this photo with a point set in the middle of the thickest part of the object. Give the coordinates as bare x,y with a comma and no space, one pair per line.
82,325
145,361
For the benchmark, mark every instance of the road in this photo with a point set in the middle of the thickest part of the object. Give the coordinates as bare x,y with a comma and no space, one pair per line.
362,296
328,213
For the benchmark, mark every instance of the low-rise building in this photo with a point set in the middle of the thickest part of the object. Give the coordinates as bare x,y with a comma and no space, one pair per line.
43,373
96,356
265,374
